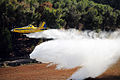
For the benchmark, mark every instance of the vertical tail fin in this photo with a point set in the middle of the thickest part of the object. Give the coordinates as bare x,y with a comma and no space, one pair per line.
43,26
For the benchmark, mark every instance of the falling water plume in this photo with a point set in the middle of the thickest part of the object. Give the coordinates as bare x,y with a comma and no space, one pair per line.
93,52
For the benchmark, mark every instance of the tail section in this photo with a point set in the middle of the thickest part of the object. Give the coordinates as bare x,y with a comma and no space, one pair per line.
43,26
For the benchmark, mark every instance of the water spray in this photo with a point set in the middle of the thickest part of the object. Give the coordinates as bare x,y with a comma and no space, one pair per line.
93,52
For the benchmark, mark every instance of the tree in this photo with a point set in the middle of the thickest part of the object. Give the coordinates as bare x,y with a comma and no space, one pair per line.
72,17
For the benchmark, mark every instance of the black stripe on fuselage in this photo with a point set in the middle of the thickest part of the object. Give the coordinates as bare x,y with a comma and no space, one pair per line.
43,29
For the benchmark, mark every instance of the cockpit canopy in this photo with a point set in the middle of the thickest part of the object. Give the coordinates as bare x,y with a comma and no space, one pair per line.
30,25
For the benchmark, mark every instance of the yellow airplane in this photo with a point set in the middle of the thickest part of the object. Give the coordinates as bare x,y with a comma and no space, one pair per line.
30,29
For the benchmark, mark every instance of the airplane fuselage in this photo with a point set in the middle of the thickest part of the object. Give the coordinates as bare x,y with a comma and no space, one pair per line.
30,29
27,30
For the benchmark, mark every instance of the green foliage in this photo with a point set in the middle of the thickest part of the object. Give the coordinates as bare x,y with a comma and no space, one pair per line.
113,3
64,13
92,14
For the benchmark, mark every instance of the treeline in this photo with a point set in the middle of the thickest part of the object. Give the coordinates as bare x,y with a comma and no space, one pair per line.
79,14
60,13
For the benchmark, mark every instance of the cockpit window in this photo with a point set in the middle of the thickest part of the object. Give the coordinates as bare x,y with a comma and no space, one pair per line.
29,26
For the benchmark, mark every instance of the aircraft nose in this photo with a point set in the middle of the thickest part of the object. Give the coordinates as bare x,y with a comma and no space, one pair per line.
12,30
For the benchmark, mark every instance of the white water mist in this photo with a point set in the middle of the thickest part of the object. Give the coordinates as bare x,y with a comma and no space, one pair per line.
93,52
